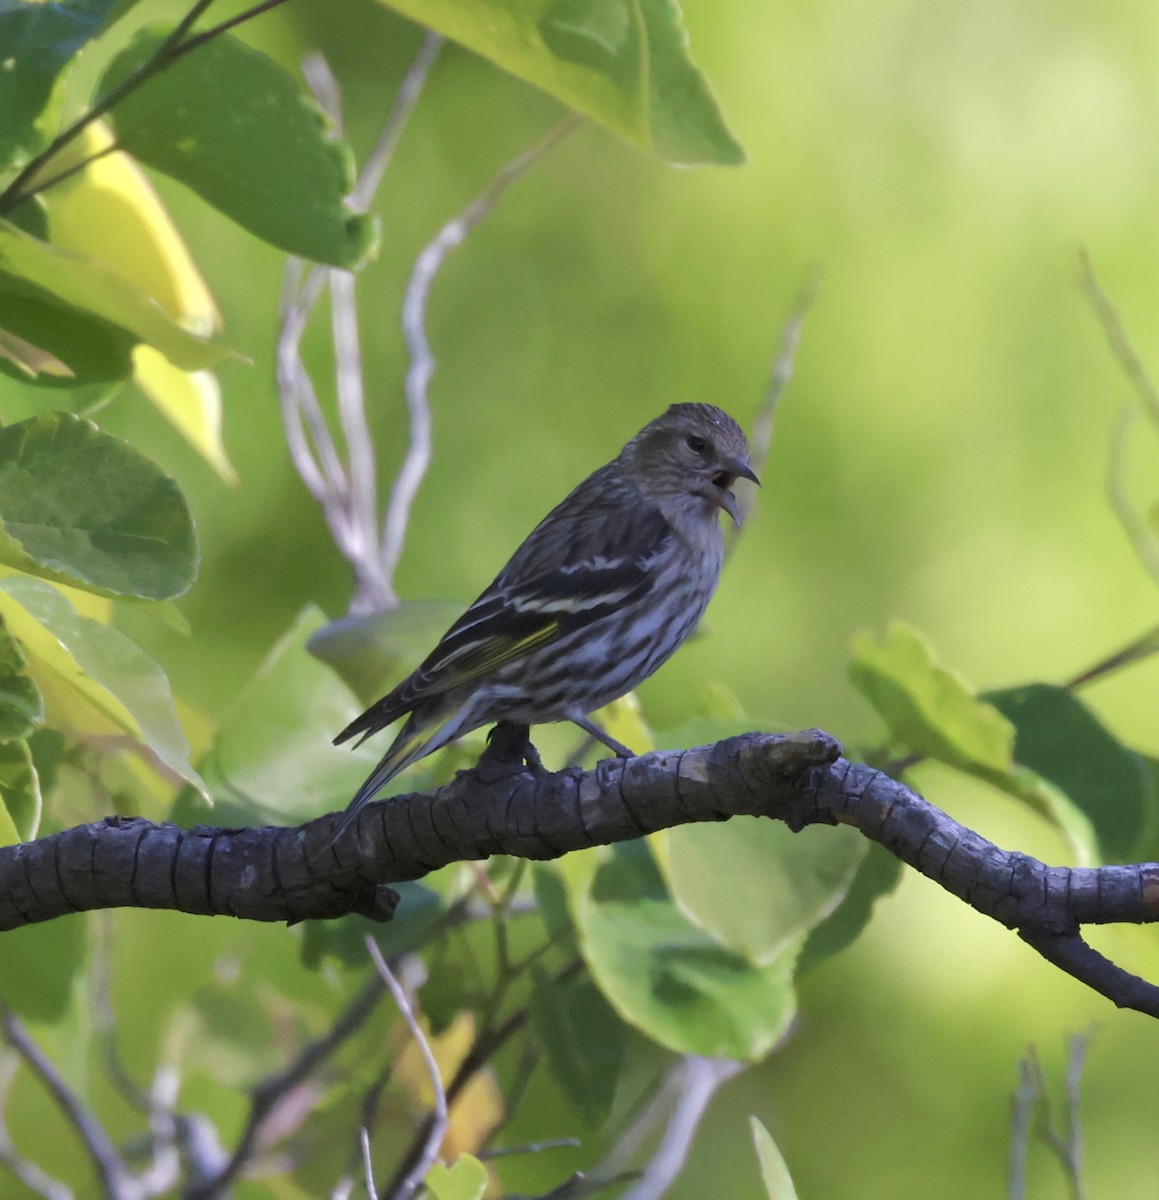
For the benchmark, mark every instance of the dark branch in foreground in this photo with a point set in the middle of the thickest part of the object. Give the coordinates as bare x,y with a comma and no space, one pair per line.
303,872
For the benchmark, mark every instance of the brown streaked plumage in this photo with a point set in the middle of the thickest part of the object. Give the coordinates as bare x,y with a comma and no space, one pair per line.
601,592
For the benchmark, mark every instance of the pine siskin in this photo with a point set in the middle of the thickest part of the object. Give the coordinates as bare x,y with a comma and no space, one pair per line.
603,590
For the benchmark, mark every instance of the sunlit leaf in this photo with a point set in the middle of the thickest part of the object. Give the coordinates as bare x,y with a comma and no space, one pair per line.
85,508
93,678
479,1106
1060,739
465,1179
110,212
623,62
37,40
99,292
233,125
774,1171
929,709
780,884
192,402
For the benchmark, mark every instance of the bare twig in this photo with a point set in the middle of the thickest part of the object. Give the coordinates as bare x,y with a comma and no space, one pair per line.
346,494
1021,1117
1140,533
530,1148
761,436
272,1090
1141,648
405,100
1065,1140
687,1089
116,1180
406,1186
367,1163
1120,343
422,361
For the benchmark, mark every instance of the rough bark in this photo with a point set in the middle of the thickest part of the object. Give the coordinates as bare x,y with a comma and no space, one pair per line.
502,807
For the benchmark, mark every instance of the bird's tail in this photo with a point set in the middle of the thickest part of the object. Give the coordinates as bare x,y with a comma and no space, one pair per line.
425,731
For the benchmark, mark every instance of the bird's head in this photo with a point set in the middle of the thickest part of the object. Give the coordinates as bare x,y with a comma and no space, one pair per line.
688,459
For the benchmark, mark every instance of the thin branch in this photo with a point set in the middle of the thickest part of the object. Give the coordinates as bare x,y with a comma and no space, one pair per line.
699,1080
270,1091
486,1046
1139,532
568,1143
367,1163
761,437
1021,1116
422,361
1116,335
1141,648
347,497
115,1177
405,1187
411,88
26,1171
174,47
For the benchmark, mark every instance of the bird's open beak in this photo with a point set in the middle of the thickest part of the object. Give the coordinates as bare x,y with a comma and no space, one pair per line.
733,470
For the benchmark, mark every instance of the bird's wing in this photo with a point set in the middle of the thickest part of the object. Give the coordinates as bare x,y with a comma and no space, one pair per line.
596,567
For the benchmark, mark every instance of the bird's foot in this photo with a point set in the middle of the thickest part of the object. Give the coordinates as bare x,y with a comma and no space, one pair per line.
509,752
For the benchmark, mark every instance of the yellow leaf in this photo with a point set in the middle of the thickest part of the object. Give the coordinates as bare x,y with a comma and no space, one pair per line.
479,1106
109,211
192,402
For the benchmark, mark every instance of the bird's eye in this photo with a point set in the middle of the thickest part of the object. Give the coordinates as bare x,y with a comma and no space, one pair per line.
696,444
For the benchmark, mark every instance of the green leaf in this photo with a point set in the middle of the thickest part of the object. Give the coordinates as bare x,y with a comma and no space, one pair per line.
19,789
36,42
1060,739
82,507
465,1180
774,1171
929,709
583,1040
623,62
780,884
877,876
93,678
231,124
663,975
372,650
38,965
57,344
98,291
21,705
420,909
273,752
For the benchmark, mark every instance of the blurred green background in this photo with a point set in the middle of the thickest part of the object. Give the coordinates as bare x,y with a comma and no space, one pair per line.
940,457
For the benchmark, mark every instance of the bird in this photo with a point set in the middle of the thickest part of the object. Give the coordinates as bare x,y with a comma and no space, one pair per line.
600,593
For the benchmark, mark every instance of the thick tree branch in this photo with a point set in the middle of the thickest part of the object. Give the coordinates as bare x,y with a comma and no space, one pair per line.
305,872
